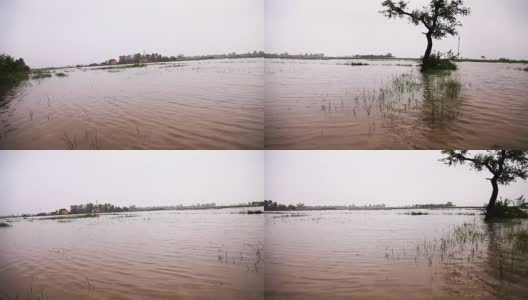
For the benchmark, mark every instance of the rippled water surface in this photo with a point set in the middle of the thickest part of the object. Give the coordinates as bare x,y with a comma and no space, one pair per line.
213,254
216,104
391,105
449,254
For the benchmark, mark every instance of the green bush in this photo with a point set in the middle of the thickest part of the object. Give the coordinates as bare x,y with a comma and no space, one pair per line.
502,210
437,63
12,70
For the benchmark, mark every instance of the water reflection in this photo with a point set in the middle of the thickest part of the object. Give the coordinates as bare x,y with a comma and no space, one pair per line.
441,98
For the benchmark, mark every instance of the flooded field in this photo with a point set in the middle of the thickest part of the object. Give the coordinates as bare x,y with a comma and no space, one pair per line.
391,105
214,104
210,254
447,254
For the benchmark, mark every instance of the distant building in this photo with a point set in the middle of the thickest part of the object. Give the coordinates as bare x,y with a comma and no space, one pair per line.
63,211
113,62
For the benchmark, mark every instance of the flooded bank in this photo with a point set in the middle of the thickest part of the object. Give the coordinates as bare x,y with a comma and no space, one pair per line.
135,255
445,254
391,105
213,104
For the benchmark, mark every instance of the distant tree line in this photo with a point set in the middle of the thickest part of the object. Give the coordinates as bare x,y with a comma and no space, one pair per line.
99,208
447,205
274,206
156,57
321,56
147,58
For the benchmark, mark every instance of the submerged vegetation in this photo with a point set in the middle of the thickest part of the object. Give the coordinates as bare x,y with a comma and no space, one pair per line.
2,224
418,213
436,63
356,64
122,67
39,74
66,217
503,210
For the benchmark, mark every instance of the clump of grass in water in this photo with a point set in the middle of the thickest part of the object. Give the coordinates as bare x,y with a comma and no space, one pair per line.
2,224
418,213
293,215
122,67
60,74
505,212
40,75
406,83
451,87
356,64
436,63
67,217
520,239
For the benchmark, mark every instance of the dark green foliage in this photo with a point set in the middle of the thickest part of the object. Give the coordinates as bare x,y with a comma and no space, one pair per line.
2,224
436,63
12,70
502,210
60,74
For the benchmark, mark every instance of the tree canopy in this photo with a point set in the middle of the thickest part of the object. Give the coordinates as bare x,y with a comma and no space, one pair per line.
439,17
505,165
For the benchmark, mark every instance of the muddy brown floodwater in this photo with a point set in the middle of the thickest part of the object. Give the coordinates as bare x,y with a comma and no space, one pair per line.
391,105
214,104
448,254
210,254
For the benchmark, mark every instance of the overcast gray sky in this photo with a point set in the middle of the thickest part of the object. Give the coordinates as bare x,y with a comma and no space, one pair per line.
375,177
63,32
36,181
495,28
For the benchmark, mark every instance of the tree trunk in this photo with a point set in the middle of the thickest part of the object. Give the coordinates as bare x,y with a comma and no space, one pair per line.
490,210
429,49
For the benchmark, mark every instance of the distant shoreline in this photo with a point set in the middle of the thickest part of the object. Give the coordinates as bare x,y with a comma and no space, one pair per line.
295,57
330,208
